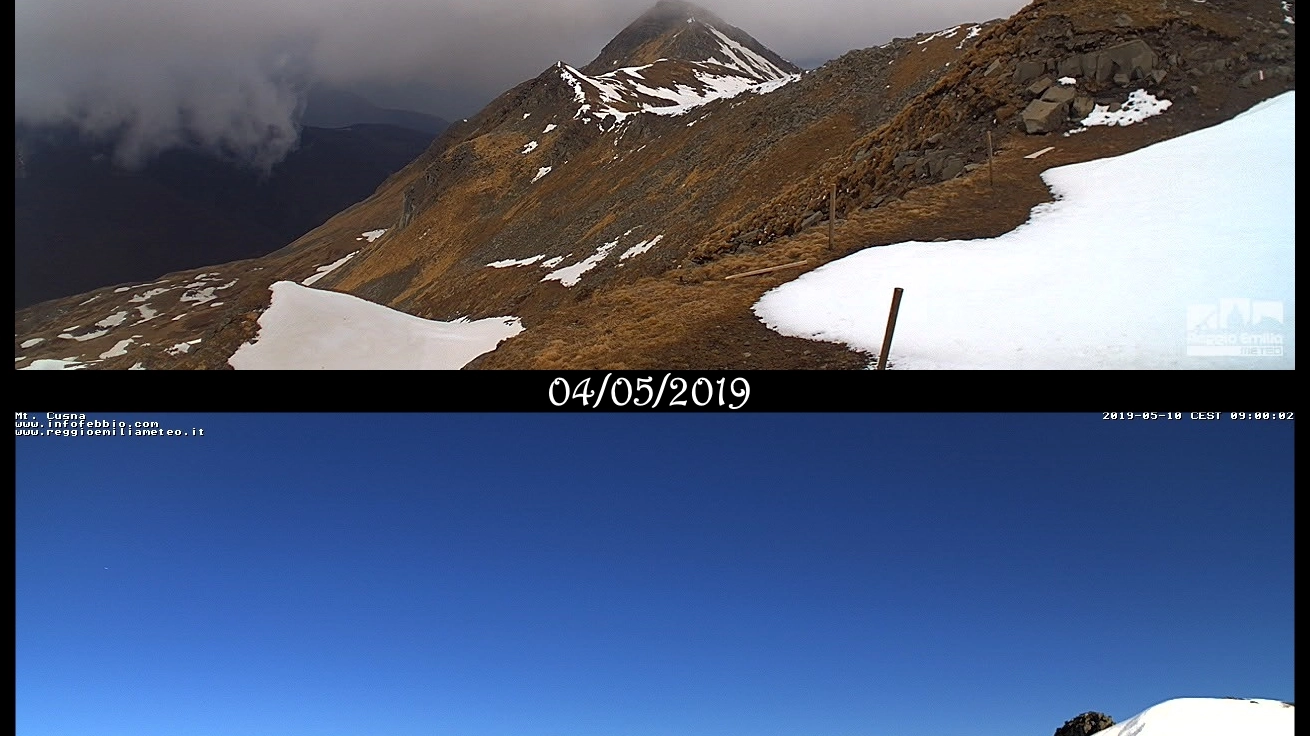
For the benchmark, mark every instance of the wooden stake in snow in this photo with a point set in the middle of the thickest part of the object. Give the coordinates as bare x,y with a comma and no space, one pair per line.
832,212
766,270
891,327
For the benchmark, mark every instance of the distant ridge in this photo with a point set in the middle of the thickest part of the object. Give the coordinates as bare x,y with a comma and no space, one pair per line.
330,107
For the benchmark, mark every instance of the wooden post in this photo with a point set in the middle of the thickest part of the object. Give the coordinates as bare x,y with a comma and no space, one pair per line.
991,180
832,212
891,327
770,269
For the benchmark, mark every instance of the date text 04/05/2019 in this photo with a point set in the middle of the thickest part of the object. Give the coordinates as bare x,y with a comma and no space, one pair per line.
644,393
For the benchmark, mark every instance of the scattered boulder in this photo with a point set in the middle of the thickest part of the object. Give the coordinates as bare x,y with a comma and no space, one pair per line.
1027,71
1058,93
1037,88
1072,66
952,167
1133,59
1043,117
1085,724
996,63
904,159
934,161
1083,106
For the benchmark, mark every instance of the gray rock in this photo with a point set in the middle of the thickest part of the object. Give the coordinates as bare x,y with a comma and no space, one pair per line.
1037,88
996,63
1043,117
1158,75
935,161
934,139
1027,71
408,206
1072,66
1134,59
810,219
1123,20
1121,79
903,159
972,167
1058,93
1083,106
952,168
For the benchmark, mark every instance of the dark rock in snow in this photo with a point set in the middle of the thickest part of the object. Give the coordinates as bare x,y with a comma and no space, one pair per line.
1085,724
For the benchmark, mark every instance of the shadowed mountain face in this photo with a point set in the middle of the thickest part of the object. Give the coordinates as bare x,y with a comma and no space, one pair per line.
82,223
605,205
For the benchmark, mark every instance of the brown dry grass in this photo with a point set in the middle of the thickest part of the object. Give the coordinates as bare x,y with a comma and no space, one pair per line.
691,317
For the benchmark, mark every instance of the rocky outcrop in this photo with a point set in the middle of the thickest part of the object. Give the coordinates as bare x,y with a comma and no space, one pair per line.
1085,724
1120,64
1131,60
1043,116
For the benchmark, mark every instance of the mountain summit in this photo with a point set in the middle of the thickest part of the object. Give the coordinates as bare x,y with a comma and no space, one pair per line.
682,31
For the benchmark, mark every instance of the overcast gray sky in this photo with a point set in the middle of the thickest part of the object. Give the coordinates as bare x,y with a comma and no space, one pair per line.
228,71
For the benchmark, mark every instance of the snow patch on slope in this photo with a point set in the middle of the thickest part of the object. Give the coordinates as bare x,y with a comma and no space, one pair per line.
570,275
329,268
1048,296
307,328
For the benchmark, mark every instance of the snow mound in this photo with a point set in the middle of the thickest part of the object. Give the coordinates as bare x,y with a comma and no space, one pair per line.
308,328
1103,277
1210,717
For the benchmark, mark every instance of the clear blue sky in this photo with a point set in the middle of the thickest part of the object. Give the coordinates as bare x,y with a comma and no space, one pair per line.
630,575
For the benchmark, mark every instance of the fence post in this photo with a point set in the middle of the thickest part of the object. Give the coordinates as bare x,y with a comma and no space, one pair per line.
832,212
891,327
990,179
